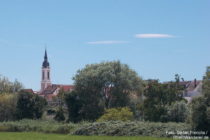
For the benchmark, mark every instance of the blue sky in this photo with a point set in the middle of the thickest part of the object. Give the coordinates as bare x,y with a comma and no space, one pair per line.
156,38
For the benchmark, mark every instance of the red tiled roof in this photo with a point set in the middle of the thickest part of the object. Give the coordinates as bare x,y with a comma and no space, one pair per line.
28,90
66,88
51,89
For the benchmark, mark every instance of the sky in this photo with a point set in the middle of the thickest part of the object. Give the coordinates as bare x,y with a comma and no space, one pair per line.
156,38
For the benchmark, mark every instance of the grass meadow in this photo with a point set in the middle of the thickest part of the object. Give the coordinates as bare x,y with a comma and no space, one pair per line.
42,136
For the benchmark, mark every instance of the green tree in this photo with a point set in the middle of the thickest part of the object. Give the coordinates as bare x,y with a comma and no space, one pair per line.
178,112
30,105
6,86
104,85
200,106
8,107
74,105
206,86
199,114
158,96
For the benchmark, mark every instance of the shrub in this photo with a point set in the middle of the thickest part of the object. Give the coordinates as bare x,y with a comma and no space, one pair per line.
59,115
109,128
133,128
7,107
178,112
123,114
26,125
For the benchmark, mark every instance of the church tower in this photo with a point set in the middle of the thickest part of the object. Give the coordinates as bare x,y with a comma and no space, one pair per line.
45,82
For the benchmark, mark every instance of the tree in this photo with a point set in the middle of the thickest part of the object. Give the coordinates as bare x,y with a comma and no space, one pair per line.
30,105
198,115
200,107
153,104
206,86
103,85
7,86
74,105
8,107
158,96
59,116
178,112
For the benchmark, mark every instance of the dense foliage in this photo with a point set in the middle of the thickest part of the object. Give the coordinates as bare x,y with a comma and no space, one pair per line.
100,86
200,107
37,126
114,114
30,105
118,128
158,96
199,117
206,86
59,116
110,128
8,107
178,112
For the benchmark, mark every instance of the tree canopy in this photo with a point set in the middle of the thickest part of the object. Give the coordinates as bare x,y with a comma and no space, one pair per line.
158,96
30,105
200,106
6,86
104,85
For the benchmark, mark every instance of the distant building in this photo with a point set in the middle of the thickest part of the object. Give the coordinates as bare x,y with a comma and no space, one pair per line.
49,90
191,88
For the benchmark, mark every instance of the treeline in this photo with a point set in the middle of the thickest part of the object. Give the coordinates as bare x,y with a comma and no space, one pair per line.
112,91
16,104
7,86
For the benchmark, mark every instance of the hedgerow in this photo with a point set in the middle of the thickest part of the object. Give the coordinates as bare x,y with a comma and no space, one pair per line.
134,128
110,128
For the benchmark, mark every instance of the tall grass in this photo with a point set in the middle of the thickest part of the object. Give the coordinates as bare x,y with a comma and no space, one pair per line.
37,126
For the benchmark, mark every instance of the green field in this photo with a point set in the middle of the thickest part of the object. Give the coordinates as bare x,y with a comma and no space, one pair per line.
41,136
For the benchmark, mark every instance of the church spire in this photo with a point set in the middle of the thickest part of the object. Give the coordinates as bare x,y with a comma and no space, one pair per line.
45,82
45,55
45,64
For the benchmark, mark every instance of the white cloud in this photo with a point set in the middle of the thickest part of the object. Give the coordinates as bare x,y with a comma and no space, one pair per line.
153,36
108,42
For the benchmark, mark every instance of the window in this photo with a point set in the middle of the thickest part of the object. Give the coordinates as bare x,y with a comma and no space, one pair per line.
42,75
48,75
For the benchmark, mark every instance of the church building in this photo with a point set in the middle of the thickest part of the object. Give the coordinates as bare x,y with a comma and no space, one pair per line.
49,90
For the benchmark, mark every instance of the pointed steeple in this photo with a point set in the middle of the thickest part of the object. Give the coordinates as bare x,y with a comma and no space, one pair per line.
45,55
45,64
45,82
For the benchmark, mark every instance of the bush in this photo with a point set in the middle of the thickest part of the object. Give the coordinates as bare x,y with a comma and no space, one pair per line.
59,115
110,128
26,125
178,112
134,128
30,105
7,107
114,114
